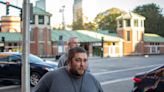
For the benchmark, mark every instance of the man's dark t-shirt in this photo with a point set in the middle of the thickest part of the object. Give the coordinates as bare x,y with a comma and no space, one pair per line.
61,81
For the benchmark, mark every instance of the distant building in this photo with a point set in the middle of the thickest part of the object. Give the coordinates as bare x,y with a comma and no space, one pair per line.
130,27
40,34
77,10
82,9
41,4
10,24
130,38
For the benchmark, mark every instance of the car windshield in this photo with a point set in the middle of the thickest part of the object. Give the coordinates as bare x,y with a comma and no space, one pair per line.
35,59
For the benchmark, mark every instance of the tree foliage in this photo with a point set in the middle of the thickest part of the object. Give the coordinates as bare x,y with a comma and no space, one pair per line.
107,20
90,26
78,25
154,19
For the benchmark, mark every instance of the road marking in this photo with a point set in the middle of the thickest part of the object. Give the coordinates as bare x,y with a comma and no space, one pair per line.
115,81
8,87
135,68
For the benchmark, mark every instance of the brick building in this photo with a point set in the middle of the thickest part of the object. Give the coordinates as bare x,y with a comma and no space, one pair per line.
130,38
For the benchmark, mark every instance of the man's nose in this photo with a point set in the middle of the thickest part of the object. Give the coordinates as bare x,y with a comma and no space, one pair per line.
82,63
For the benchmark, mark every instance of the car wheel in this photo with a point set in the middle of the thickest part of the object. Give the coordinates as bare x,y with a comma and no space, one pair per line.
34,78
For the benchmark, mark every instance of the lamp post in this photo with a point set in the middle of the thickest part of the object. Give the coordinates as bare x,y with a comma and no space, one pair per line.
25,77
63,20
102,47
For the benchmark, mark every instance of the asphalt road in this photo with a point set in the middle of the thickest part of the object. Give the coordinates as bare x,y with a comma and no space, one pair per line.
115,74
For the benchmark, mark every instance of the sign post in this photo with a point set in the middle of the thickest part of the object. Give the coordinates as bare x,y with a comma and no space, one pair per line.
25,77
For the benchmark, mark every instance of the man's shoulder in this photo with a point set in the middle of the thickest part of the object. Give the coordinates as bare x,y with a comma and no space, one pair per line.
63,56
90,75
57,71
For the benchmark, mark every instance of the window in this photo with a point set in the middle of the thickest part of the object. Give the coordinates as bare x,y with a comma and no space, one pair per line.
48,23
128,35
15,44
9,44
41,19
33,20
4,59
135,23
15,58
157,43
120,23
142,23
127,22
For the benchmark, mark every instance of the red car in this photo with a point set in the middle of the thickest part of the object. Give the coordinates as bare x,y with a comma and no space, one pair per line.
151,81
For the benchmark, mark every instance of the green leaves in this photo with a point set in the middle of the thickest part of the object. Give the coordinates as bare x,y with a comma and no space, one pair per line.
154,18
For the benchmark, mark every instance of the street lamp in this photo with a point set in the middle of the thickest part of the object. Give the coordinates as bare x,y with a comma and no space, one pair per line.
63,20
102,47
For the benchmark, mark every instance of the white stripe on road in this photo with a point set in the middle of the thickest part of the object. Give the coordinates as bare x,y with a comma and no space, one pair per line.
9,87
101,73
115,81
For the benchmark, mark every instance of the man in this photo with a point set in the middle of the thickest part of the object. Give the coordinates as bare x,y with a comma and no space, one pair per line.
71,78
72,42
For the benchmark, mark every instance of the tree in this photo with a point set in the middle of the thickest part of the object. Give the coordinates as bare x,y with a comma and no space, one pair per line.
161,27
90,26
152,13
107,20
78,25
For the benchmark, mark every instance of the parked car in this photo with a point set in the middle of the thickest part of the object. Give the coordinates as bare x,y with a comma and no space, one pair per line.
151,81
10,67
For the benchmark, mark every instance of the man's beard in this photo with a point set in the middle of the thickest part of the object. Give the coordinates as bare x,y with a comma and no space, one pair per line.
77,72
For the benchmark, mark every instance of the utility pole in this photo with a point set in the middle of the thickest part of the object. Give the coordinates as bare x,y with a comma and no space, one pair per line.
63,20
102,47
25,77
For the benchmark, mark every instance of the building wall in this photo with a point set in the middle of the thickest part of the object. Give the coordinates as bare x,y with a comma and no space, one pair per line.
162,48
41,37
47,42
158,48
90,50
105,49
77,10
55,48
34,42
112,49
10,24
